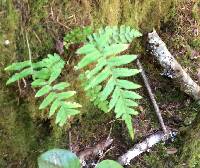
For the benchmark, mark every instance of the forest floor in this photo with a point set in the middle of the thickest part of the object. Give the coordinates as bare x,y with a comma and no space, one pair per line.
181,35
180,31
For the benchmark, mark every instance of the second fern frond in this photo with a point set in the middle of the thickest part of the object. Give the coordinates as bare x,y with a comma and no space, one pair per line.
103,49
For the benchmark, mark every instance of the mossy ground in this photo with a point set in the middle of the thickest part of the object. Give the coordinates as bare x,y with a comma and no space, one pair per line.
26,132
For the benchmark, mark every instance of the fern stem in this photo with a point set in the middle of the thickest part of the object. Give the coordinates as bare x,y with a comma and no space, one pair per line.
153,100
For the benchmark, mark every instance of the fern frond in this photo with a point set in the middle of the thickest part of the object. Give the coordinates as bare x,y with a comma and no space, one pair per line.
108,43
44,73
58,101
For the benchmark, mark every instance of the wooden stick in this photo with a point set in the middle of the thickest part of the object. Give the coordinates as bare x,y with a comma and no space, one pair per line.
141,147
171,67
153,100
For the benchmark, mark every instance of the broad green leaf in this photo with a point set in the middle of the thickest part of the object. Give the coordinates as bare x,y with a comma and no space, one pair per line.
108,89
44,90
38,82
60,86
125,84
55,105
115,97
108,164
131,95
24,73
18,66
58,158
102,76
114,49
65,95
48,100
121,60
125,72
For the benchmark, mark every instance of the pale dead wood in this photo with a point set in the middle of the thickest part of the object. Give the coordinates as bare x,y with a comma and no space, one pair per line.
171,67
141,147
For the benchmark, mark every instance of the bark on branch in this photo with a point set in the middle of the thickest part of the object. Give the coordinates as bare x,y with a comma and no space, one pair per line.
141,147
171,67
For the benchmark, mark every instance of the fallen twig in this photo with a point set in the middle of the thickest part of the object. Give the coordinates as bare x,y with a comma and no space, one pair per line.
141,147
171,67
155,105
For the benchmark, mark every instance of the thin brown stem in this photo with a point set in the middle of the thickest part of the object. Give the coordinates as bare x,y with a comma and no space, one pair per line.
151,95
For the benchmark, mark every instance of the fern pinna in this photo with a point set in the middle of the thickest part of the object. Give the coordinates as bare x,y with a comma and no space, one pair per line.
44,73
103,51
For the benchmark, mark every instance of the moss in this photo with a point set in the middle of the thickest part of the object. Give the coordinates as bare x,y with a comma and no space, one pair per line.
190,155
196,43
196,11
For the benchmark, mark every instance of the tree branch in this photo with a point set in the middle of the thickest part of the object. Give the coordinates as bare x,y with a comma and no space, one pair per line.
171,67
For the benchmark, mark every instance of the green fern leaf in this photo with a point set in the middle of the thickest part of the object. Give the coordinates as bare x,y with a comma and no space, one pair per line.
114,49
89,58
38,83
18,66
60,86
121,60
48,100
99,78
55,105
125,84
102,62
115,97
108,89
86,49
44,73
63,114
125,72
131,95
44,90
17,76
128,120
71,105
66,95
